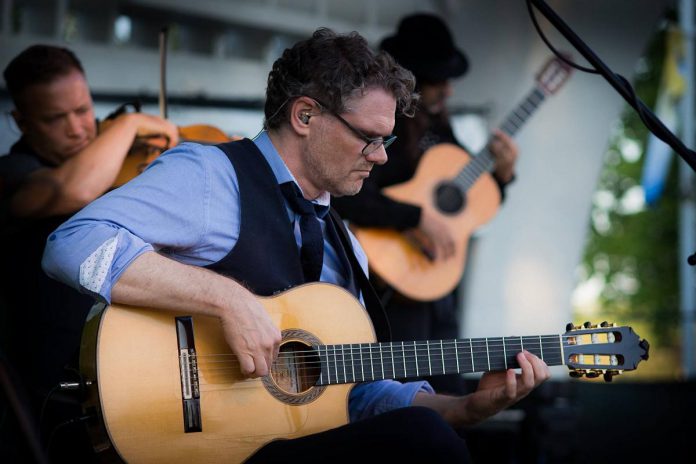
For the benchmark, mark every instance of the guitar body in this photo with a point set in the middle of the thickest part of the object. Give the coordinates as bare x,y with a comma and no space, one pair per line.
397,260
133,356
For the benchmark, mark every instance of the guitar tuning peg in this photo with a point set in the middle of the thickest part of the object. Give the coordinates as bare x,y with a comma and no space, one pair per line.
587,324
569,327
576,374
646,347
604,324
592,374
609,375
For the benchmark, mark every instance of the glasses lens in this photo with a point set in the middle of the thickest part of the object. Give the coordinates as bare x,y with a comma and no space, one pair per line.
375,144
372,146
389,140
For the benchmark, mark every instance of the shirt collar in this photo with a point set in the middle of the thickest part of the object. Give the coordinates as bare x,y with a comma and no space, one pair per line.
282,173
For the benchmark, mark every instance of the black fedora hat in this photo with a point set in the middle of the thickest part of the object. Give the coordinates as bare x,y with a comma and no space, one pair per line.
423,44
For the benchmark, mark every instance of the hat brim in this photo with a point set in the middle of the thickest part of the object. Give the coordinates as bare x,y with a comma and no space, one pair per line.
426,68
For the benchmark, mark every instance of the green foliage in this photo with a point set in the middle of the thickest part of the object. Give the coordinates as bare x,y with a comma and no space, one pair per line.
636,252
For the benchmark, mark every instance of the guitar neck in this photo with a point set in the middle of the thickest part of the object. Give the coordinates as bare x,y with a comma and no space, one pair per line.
351,363
484,160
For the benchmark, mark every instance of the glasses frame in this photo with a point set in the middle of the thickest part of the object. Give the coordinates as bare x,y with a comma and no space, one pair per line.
374,142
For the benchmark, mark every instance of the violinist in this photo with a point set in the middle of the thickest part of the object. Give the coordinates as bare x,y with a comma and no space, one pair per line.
60,164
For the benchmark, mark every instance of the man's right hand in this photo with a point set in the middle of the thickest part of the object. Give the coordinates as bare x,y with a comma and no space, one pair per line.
148,124
433,236
158,282
251,334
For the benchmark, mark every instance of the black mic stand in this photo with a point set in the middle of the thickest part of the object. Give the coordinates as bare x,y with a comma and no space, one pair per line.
651,121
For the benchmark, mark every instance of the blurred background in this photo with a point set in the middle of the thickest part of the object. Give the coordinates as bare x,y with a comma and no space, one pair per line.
597,226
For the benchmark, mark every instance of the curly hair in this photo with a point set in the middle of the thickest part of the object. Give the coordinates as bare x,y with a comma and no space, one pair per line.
332,68
39,64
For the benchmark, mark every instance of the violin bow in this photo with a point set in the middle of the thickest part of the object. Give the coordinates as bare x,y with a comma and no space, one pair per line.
163,72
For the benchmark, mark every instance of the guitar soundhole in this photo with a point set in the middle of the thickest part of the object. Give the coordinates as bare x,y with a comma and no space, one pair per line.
449,198
297,368
295,373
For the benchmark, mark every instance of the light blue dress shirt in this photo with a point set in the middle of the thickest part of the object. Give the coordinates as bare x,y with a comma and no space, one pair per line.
186,206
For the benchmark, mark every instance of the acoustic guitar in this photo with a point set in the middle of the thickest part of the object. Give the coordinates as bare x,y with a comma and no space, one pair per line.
165,387
458,189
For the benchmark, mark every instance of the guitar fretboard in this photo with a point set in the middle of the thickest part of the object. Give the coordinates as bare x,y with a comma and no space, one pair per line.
350,363
484,160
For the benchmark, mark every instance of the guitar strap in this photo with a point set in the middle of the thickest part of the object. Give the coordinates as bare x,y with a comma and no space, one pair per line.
372,302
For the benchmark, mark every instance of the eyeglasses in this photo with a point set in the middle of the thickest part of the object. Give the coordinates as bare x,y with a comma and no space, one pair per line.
371,143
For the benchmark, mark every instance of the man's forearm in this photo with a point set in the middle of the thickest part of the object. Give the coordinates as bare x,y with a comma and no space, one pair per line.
157,282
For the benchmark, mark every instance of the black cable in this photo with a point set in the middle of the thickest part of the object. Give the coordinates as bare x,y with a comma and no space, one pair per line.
560,55
47,398
619,83
73,421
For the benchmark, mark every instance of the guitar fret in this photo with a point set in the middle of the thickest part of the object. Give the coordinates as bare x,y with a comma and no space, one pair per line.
335,363
521,344
488,355
456,355
403,352
505,354
381,359
527,111
541,347
352,362
521,119
415,356
471,347
560,343
442,350
321,375
343,360
391,352
362,364
372,364
430,367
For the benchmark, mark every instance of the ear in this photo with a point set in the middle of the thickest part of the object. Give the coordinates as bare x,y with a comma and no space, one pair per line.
20,121
301,112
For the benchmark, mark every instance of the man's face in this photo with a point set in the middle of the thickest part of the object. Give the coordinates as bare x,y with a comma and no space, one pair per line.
57,118
434,96
334,161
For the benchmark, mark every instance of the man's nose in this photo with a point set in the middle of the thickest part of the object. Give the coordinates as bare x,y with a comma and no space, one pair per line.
378,156
74,125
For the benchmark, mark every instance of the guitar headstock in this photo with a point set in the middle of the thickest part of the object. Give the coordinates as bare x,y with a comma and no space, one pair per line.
604,349
553,75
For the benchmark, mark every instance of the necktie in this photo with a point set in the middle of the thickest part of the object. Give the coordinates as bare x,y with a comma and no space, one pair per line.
312,251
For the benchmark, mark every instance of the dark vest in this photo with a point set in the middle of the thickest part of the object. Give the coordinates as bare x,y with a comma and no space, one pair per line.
266,258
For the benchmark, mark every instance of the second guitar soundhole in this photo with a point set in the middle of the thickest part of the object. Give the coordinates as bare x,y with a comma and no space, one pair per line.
295,372
449,198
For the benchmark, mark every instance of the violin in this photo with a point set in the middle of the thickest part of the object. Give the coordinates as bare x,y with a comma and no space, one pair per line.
146,149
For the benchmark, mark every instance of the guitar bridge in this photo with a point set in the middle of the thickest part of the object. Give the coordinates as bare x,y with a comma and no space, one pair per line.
188,370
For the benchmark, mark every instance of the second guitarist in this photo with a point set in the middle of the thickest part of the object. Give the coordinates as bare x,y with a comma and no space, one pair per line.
424,45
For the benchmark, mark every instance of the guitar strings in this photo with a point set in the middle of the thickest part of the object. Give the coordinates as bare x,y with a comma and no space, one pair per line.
405,355
484,160
450,361
370,371
374,361
462,352
353,377
336,356
478,345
